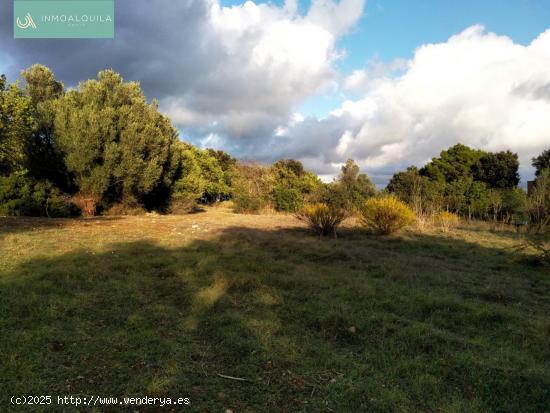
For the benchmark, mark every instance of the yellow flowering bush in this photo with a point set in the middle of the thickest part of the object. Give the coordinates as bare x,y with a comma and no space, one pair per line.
322,218
386,214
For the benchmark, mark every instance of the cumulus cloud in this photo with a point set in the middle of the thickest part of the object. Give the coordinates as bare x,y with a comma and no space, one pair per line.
477,88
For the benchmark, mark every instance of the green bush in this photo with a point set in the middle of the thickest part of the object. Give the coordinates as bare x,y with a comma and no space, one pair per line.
248,204
252,188
287,199
127,207
386,214
292,184
322,218
21,195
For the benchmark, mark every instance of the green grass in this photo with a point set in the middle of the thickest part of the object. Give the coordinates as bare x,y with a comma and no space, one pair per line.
139,306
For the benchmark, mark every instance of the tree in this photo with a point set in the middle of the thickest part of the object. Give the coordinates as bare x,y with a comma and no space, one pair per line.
453,164
539,199
541,162
116,145
454,195
41,84
44,161
17,125
252,187
225,161
419,192
292,184
200,177
23,195
513,203
351,188
498,170
478,200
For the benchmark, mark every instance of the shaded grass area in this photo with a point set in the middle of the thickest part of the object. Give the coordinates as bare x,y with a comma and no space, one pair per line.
410,323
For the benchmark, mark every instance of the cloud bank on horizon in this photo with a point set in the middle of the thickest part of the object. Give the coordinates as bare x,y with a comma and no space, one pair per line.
234,78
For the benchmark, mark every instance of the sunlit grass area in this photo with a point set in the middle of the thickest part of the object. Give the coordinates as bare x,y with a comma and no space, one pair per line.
163,305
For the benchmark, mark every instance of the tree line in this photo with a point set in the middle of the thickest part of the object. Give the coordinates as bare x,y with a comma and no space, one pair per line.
476,184
102,148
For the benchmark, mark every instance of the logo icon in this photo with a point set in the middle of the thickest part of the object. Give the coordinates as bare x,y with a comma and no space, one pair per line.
27,22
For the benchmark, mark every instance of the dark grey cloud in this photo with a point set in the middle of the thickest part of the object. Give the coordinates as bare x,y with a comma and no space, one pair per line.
157,43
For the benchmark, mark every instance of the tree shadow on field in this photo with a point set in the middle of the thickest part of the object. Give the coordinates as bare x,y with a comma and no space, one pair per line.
355,324
11,225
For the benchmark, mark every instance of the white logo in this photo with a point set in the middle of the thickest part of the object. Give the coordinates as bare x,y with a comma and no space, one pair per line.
28,22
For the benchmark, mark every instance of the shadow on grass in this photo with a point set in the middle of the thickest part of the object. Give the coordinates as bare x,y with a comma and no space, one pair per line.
355,324
10,225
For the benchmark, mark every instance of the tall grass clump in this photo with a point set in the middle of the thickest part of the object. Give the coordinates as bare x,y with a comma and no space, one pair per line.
322,218
446,220
386,214
541,247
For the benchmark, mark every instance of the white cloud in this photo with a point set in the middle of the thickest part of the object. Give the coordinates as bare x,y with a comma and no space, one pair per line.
270,59
477,88
360,80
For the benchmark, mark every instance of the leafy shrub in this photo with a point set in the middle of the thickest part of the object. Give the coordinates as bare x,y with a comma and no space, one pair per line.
128,207
200,179
287,199
182,205
21,195
423,195
446,220
350,189
386,214
292,185
538,204
322,218
248,204
252,187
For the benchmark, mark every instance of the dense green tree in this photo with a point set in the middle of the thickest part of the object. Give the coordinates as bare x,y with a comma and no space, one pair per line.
17,125
539,199
351,188
252,187
421,193
479,200
201,177
498,170
541,162
21,194
466,181
453,164
513,203
292,184
454,195
226,163
117,146
224,160
41,84
44,161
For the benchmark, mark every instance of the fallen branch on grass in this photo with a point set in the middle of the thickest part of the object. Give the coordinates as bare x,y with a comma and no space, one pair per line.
223,376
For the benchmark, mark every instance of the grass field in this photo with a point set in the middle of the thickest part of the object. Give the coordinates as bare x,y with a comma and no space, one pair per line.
162,305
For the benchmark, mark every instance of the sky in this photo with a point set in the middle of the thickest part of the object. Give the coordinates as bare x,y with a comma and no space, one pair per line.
389,83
